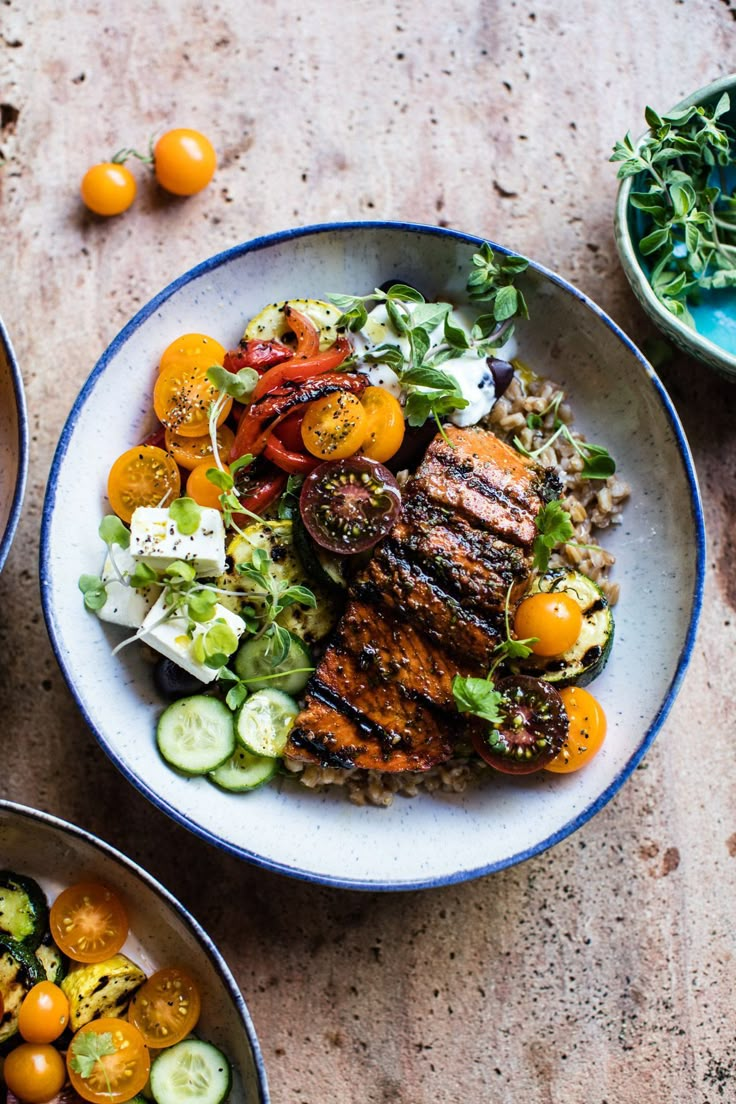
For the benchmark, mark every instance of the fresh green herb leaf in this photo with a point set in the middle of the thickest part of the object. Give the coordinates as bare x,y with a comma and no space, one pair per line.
242,462
289,501
142,576
238,385
186,515
477,696
112,531
179,571
94,591
220,478
554,527
88,1048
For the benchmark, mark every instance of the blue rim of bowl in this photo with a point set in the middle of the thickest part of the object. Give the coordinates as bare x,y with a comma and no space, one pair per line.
21,475
698,343
203,938
697,598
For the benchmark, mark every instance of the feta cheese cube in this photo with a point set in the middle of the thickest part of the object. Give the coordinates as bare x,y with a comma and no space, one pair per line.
124,605
172,640
155,539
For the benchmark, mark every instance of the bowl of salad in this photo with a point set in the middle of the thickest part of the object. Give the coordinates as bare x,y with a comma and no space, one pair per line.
110,989
13,443
363,558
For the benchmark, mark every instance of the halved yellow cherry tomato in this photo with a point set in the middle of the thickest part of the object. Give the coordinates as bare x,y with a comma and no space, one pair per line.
384,424
196,349
115,1077
184,161
44,1013
166,1007
142,476
334,426
191,451
88,922
201,489
108,188
553,617
182,397
34,1072
586,733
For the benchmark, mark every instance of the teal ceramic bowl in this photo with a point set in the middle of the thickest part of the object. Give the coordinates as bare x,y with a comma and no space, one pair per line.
714,340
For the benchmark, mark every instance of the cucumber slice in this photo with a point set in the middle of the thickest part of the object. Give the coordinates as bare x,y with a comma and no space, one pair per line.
264,722
190,1071
24,911
196,734
589,654
244,771
252,663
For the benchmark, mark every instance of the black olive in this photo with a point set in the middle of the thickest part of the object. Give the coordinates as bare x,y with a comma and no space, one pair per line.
174,682
502,373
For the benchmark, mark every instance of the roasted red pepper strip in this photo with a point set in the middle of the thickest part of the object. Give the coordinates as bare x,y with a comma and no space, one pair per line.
261,496
294,462
307,333
260,355
260,417
301,368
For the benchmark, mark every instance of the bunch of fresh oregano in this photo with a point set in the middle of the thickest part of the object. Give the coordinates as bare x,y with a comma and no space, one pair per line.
684,192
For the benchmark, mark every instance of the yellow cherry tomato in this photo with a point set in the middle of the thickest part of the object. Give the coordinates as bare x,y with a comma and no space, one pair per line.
196,349
201,489
88,922
34,1072
384,424
166,1007
553,617
189,452
334,426
44,1013
586,732
108,188
182,397
116,1077
142,476
184,161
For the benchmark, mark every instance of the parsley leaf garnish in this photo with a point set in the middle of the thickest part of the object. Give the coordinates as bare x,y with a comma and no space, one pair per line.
477,696
554,527
88,1048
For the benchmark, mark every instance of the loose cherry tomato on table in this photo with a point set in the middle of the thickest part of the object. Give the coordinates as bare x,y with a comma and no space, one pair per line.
115,1077
552,619
34,1072
384,424
142,476
189,452
88,922
44,1013
587,730
203,490
108,188
182,397
196,349
184,161
334,426
166,1007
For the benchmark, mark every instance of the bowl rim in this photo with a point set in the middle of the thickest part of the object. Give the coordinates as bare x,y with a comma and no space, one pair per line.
698,342
22,471
345,882
221,967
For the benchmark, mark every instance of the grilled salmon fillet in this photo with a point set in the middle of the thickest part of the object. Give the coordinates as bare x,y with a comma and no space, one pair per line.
428,606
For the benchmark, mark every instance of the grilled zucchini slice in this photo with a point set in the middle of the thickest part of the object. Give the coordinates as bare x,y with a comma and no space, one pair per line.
276,538
24,912
20,970
589,654
270,324
53,962
101,989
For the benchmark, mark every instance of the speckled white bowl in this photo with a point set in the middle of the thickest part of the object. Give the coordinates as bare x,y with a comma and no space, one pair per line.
163,933
432,839
13,444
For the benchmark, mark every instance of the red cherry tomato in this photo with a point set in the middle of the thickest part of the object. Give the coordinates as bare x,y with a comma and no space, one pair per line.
349,505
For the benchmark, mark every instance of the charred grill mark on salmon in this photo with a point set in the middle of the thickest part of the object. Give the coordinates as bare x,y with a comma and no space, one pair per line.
429,605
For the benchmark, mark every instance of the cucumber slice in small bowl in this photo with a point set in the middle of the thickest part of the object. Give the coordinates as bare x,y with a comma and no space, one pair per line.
264,722
244,771
191,1070
253,664
195,735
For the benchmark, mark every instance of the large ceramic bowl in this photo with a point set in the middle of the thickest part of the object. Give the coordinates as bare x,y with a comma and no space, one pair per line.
163,933
13,444
432,839
713,341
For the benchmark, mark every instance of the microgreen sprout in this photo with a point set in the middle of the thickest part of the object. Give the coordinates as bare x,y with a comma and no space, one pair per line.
186,515
597,461
272,596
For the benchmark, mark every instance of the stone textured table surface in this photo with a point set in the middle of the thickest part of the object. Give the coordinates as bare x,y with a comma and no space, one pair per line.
603,971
